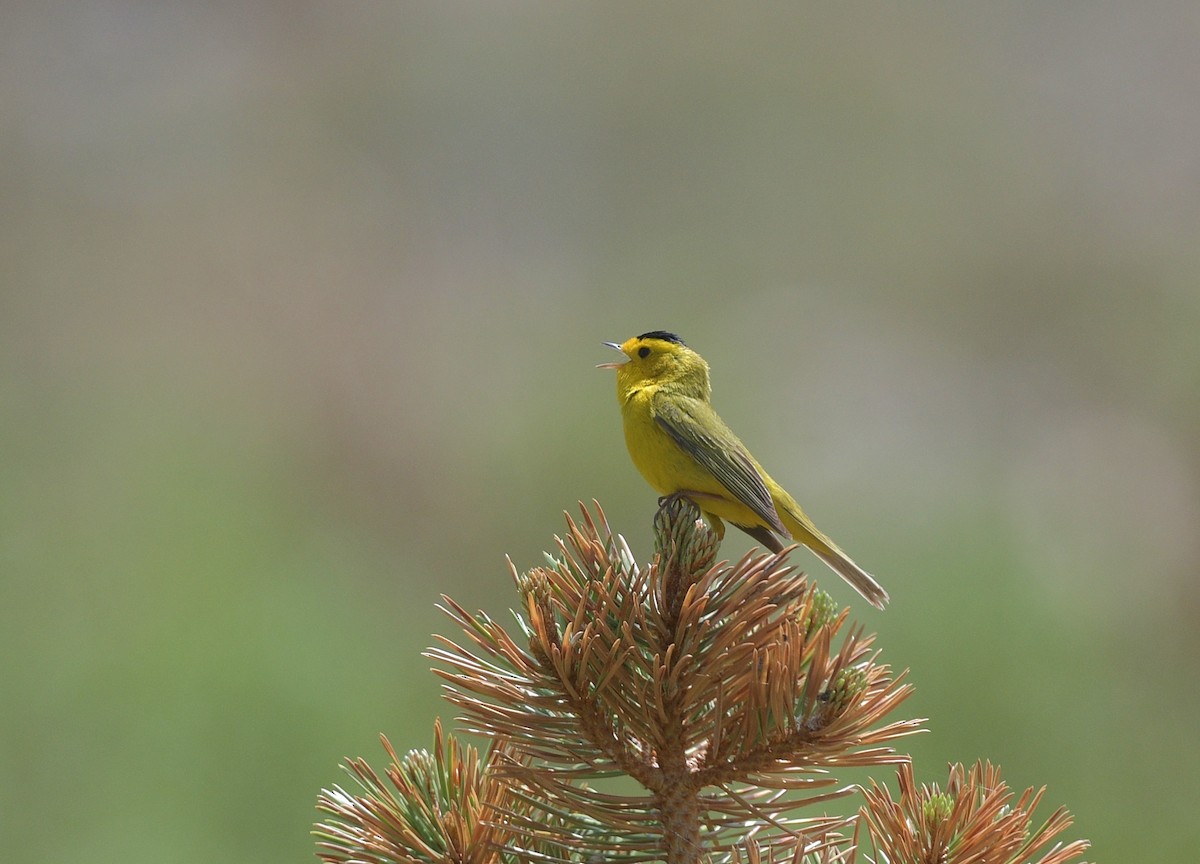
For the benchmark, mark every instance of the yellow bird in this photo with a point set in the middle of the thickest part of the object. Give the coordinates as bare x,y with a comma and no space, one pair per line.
682,447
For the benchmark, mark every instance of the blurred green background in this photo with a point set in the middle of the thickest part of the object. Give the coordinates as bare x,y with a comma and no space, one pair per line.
299,310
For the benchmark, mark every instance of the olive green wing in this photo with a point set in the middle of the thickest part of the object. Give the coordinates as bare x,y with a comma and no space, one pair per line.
703,435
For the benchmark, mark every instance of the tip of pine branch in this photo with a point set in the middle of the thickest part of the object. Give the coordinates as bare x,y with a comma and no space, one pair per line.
975,812
682,536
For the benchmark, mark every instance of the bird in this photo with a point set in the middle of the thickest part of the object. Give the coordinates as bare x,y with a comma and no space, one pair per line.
681,446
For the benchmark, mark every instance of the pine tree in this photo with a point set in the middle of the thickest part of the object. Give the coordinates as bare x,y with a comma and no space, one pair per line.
730,695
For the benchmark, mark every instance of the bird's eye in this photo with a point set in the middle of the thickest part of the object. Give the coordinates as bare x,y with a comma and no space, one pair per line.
643,351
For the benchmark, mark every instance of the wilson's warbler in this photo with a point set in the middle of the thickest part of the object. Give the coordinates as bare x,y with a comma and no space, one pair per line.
681,446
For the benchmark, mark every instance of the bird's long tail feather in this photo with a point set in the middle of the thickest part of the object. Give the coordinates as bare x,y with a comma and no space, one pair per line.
860,580
805,532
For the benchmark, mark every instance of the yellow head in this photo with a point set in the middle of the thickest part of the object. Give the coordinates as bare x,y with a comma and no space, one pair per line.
659,359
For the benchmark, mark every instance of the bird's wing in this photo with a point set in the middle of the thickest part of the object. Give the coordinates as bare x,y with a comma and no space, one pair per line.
700,433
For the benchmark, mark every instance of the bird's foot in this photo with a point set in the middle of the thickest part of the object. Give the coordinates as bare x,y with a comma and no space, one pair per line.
689,498
697,498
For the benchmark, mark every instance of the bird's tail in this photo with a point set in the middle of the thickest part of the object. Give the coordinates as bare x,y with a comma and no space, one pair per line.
825,549
860,580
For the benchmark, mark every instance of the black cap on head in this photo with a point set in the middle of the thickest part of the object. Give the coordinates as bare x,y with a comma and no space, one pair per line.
663,335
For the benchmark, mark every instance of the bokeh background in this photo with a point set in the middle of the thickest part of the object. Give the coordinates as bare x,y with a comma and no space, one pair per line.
299,310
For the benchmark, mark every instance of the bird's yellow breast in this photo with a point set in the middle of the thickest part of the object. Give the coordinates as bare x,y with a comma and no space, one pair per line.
665,465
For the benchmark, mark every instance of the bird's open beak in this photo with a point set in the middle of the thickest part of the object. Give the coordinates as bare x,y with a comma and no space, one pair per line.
615,347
